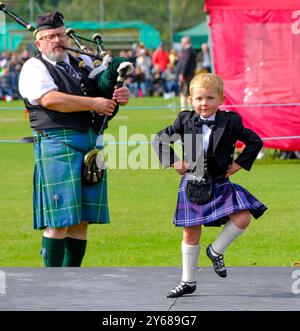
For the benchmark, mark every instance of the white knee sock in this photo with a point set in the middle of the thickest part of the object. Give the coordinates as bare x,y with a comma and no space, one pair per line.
190,255
226,237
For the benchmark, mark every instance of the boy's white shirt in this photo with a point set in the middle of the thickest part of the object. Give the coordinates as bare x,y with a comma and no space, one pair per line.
206,131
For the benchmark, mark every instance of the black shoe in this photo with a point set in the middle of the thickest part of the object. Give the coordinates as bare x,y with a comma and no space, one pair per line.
181,289
217,261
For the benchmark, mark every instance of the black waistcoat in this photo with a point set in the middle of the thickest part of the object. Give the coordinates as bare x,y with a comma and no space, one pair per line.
43,118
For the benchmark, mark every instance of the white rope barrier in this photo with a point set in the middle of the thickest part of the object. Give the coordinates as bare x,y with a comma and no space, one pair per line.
134,143
296,104
262,105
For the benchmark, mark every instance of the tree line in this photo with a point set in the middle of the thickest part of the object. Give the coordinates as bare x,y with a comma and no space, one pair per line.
165,15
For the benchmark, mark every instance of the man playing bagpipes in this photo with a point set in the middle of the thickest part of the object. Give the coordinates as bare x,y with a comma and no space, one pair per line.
68,113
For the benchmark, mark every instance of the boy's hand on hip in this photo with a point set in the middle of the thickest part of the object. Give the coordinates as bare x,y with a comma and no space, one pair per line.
233,168
180,166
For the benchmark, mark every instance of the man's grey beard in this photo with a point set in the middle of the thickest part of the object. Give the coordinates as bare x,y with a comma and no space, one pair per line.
57,58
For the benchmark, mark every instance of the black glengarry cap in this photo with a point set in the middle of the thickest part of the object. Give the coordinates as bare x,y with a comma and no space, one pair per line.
49,21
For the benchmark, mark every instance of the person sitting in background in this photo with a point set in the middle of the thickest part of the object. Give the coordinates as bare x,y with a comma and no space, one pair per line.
144,61
6,86
136,83
285,155
14,69
158,83
170,78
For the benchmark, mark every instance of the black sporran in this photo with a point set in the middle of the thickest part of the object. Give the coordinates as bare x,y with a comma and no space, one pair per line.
200,191
93,167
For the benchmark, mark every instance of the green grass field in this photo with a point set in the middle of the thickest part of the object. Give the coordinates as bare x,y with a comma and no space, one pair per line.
142,204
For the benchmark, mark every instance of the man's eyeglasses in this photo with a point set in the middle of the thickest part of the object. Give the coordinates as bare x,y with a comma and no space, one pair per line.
52,37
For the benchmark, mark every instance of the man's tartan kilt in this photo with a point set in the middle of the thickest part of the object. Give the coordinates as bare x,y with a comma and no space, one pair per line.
60,198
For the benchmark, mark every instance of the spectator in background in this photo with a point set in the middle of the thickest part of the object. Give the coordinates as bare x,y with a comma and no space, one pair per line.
15,67
4,59
173,57
144,61
203,59
160,58
186,70
158,83
123,53
285,155
136,83
131,56
25,55
6,87
170,78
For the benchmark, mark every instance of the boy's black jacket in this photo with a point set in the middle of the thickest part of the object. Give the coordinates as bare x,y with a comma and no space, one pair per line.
227,131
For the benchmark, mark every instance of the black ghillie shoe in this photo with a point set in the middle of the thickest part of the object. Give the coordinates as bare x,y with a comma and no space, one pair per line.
181,289
217,261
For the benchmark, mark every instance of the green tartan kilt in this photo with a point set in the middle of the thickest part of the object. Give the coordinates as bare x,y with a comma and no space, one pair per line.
60,198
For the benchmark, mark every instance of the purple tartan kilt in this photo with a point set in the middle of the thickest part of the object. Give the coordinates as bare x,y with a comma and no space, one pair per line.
227,198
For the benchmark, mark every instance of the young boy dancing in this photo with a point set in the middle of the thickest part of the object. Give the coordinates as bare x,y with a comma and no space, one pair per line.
229,204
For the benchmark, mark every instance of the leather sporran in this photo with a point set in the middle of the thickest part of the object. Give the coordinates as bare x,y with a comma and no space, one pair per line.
93,167
200,191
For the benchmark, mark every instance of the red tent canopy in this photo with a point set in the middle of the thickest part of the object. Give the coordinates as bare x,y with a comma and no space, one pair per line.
256,50
250,4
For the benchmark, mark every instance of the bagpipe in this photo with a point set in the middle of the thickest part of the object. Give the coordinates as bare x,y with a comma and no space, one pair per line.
108,72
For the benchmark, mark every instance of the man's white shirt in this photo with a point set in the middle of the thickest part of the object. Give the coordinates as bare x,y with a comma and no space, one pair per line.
35,80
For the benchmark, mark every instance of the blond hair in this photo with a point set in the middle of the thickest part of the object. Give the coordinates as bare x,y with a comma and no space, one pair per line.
208,81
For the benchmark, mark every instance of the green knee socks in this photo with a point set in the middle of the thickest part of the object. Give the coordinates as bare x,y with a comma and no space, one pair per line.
53,251
74,252
67,252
